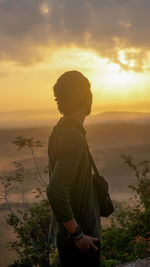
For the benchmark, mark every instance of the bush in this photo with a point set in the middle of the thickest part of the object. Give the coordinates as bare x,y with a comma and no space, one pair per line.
33,243
128,237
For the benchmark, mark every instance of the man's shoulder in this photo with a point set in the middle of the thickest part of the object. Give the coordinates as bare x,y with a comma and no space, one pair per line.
68,139
66,131
71,135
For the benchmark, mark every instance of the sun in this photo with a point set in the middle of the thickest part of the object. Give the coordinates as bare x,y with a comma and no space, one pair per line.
113,79
109,77
120,80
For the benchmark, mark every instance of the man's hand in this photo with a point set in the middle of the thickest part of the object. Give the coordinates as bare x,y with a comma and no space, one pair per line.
86,242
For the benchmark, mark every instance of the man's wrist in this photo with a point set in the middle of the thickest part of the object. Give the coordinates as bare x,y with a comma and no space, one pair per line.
77,238
77,234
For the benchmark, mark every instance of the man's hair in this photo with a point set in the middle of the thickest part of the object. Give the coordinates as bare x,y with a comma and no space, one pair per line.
71,91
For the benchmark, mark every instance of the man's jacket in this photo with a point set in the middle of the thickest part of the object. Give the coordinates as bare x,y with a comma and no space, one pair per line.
70,191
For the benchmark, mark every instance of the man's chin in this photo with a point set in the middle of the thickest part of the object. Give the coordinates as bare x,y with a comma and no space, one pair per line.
88,111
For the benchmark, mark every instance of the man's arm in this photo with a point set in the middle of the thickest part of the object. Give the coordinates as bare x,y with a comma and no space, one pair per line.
62,180
63,176
70,226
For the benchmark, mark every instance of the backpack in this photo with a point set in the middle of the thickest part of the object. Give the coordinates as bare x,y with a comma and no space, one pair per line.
102,189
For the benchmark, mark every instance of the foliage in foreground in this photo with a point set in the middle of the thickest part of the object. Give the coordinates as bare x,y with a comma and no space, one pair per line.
37,221
127,238
33,226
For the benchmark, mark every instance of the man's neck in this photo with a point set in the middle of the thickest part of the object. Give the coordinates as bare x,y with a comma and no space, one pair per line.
77,117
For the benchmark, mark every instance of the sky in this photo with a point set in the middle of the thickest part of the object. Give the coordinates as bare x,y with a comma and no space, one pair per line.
107,40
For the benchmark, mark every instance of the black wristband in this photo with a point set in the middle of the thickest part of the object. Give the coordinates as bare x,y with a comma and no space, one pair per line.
78,233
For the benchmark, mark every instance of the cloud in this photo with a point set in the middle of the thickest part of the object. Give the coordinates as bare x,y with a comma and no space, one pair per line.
3,74
28,26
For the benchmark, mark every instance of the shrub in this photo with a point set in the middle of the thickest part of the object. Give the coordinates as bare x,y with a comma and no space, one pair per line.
128,237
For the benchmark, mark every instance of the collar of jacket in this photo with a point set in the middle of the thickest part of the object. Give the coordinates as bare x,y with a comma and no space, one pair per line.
72,123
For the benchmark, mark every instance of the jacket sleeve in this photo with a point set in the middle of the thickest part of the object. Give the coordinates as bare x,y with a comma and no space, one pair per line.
63,177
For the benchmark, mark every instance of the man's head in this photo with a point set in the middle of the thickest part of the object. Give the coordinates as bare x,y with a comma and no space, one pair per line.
72,93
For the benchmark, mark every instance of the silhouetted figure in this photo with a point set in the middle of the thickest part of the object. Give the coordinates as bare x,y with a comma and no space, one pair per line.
70,192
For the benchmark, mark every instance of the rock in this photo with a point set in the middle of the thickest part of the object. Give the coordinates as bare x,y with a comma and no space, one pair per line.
137,263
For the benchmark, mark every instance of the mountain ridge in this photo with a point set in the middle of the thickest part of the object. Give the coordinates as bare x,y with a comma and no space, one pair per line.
33,118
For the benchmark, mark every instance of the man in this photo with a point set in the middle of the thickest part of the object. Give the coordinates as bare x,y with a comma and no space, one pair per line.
70,192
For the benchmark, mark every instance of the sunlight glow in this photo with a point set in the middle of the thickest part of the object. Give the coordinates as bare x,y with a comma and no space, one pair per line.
32,88
44,8
122,57
109,77
106,77
125,24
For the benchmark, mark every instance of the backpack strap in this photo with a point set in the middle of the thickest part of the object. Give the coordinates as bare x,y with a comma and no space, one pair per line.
92,160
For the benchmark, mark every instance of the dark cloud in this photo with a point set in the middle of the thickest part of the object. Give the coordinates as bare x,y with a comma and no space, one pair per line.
105,26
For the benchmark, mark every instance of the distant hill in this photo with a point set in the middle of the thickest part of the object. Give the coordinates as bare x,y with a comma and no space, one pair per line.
38,118
25,119
98,135
117,134
119,117
106,141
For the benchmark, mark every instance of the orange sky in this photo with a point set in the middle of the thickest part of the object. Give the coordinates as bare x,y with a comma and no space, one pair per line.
42,39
